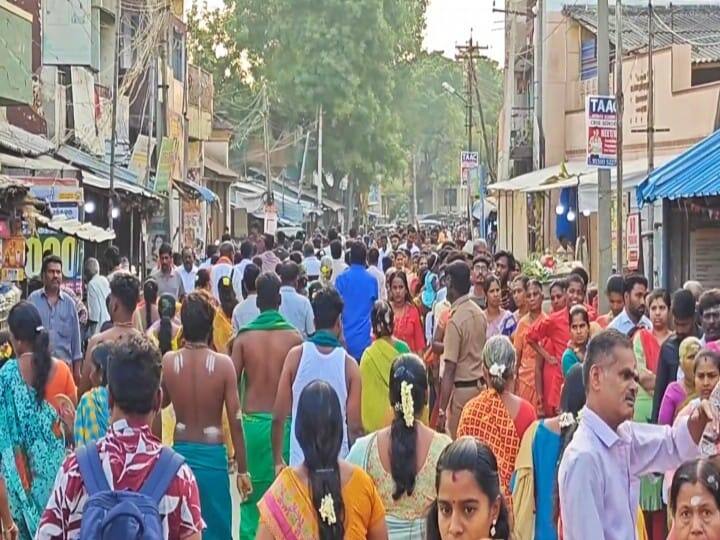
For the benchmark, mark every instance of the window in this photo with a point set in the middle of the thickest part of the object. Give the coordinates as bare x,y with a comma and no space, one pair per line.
178,61
588,57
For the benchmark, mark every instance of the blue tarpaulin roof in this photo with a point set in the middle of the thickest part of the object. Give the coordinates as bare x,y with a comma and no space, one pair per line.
694,173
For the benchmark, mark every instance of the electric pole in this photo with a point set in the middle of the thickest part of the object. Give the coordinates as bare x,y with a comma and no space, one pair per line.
266,144
320,163
604,188
469,53
620,105
650,270
113,123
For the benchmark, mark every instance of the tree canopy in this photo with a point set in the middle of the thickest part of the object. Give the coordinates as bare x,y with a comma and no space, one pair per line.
361,60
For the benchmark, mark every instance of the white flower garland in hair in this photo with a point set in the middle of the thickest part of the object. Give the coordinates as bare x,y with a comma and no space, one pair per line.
566,420
497,370
407,405
327,510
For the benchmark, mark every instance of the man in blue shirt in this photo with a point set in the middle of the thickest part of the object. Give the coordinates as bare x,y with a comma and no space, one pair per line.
59,315
359,291
633,316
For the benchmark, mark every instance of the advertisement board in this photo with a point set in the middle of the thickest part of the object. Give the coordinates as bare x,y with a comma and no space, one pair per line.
601,121
469,164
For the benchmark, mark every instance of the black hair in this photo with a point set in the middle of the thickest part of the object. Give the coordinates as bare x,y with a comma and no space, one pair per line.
249,280
459,274
332,234
409,369
268,291
509,256
150,296
327,307
382,319
270,241
297,245
197,314
100,358
289,272
579,310
522,279
489,280
226,295
482,259
709,299
572,400
576,278
561,284
202,278
656,294
615,285
166,310
210,250
319,432
683,304
177,259
402,276
133,375
373,256
126,288
336,249
582,274
707,354
48,260
702,471
632,280
112,257
469,454
246,249
358,253
26,325
165,249
600,347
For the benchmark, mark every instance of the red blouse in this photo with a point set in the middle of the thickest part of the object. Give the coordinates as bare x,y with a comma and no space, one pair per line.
409,329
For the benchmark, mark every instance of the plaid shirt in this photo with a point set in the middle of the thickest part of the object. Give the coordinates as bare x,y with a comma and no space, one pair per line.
92,416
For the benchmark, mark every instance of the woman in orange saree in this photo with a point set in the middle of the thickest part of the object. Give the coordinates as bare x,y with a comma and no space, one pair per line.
526,357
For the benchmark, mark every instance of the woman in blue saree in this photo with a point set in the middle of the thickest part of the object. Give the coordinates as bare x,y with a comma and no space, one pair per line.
33,388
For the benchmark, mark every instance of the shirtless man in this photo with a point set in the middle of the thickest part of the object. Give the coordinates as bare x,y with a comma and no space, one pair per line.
201,383
123,299
259,352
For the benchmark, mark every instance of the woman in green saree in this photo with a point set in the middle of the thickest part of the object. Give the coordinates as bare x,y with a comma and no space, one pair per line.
32,441
375,368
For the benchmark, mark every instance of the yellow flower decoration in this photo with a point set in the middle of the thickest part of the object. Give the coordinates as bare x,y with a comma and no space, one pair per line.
5,351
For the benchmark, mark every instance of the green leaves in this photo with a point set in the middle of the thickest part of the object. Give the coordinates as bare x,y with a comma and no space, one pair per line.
361,59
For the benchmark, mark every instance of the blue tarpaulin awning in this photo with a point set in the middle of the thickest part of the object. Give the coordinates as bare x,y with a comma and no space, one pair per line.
694,173
201,192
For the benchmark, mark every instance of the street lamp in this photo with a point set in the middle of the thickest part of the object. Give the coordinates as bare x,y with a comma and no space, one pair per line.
447,87
89,207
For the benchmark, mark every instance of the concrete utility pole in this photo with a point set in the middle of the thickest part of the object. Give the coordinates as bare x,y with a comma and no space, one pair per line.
320,162
469,53
604,189
540,55
620,104
266,144
650,270
113,123
414,190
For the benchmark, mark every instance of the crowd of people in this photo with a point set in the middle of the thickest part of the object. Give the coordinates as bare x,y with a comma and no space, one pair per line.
402,385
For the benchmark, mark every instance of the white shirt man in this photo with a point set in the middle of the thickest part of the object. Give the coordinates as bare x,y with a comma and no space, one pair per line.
98,289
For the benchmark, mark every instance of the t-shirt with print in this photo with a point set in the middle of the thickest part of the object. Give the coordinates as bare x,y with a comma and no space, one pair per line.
130,454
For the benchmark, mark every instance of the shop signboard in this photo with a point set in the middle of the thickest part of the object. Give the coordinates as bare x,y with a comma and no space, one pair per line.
193,236
13,258
64,196
271,219
469,164
632,239
601,121
166,161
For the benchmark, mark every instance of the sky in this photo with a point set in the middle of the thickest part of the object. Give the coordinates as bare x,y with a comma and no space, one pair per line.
449,23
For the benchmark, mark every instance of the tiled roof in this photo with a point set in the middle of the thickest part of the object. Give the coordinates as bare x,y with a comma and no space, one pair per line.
698,25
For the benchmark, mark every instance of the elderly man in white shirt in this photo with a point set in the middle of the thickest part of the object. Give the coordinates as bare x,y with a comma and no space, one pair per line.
98,289
295,307
188,270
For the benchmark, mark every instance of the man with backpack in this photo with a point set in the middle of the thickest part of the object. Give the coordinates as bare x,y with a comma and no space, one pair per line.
126,486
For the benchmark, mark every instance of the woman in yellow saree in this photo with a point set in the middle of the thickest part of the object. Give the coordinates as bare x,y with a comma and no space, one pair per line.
375,369
323,497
